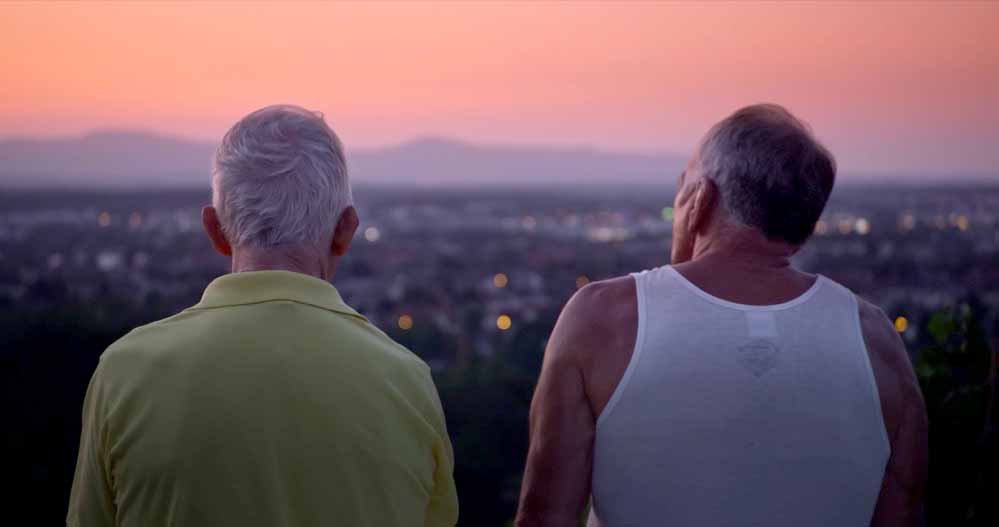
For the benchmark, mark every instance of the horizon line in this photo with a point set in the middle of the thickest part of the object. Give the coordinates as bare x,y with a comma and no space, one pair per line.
937,176
428,137
491,185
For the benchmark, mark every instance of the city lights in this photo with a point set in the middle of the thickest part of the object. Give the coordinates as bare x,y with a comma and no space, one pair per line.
372,234
134,219
581,281
907,221
503,322
500,280
901,324
104,219
862,226
667,213
962,222
405,322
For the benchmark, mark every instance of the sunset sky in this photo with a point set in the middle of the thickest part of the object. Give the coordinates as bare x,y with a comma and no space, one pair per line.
889,87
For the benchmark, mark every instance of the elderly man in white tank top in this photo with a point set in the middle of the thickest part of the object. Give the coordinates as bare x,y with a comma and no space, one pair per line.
729,388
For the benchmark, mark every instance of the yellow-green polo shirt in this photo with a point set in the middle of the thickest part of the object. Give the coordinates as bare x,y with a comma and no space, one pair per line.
271,403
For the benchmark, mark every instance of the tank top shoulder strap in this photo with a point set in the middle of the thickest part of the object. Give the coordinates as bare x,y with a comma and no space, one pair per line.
657,282
651,287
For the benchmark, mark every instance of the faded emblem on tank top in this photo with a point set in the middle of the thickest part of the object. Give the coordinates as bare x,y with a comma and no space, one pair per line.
759,356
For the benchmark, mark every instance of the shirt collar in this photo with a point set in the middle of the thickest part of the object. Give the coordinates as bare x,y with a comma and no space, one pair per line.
261,286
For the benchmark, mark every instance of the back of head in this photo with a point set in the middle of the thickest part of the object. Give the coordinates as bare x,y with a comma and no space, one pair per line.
280,178
771,172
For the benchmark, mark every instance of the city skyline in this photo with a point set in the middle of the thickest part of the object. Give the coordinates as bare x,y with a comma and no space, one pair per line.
890,88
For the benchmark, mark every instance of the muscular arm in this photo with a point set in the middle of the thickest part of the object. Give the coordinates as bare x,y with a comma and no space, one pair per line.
901,500
577,377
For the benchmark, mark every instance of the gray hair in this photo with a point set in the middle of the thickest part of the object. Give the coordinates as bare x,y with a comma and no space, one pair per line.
280,177
771,172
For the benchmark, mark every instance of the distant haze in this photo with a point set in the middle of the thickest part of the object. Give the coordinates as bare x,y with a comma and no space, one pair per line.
127,159
133,159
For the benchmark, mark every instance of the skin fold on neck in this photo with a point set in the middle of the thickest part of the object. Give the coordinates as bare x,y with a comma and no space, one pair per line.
296,258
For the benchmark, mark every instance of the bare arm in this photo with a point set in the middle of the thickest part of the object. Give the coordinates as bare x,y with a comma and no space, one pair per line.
901,500
581,368
557,477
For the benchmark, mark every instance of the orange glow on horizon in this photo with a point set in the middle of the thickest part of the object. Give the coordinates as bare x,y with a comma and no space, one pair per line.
887,86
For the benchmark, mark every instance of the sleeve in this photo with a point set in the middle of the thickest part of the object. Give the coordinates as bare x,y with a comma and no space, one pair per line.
442,511
91,501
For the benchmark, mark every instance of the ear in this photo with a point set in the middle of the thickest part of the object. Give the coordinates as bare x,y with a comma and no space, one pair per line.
705,199
210,221
344,232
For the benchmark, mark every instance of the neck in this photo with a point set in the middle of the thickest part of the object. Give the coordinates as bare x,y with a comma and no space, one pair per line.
296,258
745,249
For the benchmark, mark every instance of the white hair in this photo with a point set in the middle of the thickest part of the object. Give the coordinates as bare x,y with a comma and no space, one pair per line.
280,177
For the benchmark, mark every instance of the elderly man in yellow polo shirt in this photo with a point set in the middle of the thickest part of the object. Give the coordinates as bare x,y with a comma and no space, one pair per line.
271,402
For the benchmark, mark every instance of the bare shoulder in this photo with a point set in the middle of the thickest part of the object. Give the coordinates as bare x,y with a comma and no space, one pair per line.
598,311
880,336
883,342
596,333
614,297
893,372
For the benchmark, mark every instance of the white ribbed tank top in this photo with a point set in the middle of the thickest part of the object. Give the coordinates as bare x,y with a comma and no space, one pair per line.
739,415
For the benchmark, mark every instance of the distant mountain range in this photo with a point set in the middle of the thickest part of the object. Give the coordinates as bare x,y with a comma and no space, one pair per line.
129,159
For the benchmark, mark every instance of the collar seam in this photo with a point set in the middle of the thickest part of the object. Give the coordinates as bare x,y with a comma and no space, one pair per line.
199,307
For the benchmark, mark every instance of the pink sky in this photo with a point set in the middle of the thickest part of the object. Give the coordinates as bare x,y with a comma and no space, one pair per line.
889,87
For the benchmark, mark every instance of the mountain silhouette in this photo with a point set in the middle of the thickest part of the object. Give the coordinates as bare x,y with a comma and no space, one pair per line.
137,159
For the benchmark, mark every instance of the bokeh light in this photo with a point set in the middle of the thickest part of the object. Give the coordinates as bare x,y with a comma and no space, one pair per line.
907,221
862,226
962,222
